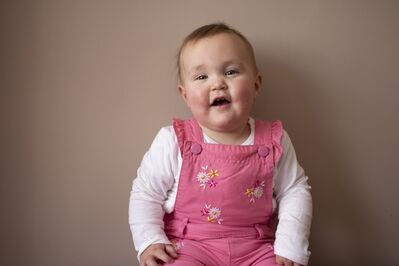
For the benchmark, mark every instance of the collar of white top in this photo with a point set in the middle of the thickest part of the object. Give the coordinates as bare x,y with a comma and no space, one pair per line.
248,141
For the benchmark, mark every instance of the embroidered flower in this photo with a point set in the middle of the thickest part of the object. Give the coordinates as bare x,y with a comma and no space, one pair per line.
206,178
249,192
213,173
178,244
213,214
202,177
256,191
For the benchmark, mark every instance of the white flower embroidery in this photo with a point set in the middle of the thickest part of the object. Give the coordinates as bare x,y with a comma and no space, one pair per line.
256,191
202,178
213,213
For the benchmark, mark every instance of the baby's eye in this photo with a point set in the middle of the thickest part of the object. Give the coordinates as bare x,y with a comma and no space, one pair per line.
231,72
201,77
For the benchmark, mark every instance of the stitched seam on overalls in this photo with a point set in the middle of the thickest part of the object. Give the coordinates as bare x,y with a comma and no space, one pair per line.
228,241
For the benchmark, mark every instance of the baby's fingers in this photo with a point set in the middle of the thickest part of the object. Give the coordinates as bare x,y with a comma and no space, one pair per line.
283,261
170,249
150,261
156,256
160,254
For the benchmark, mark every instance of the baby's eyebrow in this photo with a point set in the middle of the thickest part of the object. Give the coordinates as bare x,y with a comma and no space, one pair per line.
196,68
224,64
238,63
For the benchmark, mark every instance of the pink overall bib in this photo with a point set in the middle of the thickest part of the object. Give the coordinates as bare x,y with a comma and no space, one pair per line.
223,213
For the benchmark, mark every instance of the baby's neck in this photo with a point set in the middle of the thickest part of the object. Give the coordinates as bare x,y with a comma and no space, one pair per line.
235,137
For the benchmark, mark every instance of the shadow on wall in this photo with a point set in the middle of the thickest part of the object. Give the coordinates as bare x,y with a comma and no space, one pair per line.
308,116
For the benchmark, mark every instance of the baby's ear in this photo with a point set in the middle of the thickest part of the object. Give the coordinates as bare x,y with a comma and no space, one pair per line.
182,92
258,84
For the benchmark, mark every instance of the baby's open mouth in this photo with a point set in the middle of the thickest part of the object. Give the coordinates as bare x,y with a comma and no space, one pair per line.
220,101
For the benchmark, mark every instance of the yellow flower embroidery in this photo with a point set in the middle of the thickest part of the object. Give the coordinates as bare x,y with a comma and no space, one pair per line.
249,192
213,173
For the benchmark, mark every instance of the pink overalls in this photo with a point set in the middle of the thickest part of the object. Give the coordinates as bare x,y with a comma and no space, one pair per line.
223,213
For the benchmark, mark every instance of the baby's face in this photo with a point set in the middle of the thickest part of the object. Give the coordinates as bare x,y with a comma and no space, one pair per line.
219,81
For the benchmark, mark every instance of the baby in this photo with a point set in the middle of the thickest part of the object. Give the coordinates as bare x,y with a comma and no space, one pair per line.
220,188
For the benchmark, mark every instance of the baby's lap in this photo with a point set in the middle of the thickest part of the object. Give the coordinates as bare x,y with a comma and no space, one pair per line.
223,251
190,261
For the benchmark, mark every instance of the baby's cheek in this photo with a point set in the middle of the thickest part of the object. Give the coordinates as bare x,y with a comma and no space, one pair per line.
198,98
246,94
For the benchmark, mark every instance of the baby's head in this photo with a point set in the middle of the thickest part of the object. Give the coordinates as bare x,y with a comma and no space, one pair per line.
218,77
210,30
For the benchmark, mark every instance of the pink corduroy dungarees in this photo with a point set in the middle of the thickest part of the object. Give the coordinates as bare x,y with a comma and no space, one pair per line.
223,213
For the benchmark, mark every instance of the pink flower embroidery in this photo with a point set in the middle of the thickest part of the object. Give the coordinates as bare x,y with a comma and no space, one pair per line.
256,191
213,214
206,178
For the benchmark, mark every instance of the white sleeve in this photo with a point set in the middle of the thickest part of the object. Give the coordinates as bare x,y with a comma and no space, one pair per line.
294,206
155,177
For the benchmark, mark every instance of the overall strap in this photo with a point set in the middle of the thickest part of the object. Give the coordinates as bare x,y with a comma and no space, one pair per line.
187,130
269,134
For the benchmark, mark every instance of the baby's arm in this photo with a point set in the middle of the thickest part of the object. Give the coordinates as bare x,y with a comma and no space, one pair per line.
294,206
155,177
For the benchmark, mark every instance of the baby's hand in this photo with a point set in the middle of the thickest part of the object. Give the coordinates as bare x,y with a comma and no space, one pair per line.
286,262
157,253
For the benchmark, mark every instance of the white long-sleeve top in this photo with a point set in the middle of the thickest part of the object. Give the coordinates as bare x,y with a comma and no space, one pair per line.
154,193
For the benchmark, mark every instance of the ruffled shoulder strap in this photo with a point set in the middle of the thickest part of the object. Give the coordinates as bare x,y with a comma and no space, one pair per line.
277,133
270,133
178,126
187,130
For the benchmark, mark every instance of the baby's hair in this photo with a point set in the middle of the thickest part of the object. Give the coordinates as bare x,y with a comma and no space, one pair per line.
208,31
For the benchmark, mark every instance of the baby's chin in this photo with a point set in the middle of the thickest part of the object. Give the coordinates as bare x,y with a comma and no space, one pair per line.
224,125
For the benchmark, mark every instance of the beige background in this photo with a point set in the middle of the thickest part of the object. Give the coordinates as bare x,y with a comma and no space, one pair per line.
85,86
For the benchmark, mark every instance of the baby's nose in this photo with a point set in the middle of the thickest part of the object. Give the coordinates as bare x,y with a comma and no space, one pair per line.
219,83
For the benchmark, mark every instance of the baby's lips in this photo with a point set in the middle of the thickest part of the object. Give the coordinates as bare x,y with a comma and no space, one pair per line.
220,98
